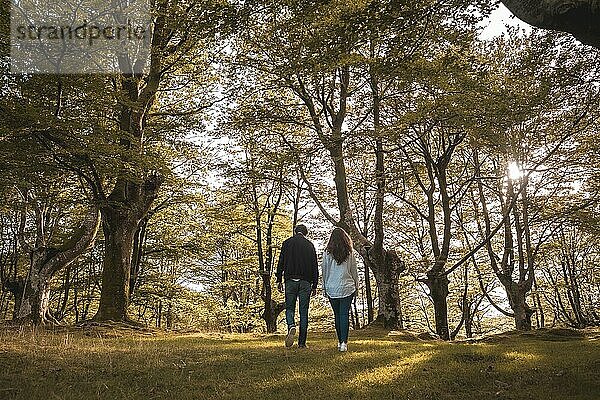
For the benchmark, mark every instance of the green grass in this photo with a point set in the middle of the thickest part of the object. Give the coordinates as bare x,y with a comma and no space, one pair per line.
95,364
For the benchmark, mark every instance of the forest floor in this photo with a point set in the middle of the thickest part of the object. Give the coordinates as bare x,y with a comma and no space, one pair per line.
116,363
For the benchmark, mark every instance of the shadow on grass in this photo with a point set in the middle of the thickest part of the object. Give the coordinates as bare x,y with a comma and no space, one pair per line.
248,367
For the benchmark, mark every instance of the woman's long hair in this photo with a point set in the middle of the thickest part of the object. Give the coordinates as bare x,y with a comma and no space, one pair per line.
340,245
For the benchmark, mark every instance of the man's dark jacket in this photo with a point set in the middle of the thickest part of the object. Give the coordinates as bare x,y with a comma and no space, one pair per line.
298,260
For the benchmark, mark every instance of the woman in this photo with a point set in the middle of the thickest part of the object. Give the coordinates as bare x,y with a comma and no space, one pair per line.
340,281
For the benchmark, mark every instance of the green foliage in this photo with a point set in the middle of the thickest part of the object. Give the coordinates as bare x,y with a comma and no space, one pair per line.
265,81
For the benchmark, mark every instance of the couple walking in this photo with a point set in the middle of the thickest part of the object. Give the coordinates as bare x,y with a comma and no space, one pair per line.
298,265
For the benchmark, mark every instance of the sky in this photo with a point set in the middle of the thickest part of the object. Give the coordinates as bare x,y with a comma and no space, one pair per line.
497,22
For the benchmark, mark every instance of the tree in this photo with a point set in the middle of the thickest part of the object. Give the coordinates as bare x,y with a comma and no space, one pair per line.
433,119
120,152
42,197
50,251
529,161
568,274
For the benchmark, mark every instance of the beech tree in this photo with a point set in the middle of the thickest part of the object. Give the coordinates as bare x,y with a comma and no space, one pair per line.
41,194
44,231
124,165
32,292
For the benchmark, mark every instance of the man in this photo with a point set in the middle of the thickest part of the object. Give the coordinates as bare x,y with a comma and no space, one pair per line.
298,264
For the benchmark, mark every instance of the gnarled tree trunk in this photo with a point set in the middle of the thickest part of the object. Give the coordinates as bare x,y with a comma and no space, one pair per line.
32,293
387,276
119,231
517,298
271,313
32,296
121,214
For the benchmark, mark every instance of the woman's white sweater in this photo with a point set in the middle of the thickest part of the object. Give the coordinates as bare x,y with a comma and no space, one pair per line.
339,280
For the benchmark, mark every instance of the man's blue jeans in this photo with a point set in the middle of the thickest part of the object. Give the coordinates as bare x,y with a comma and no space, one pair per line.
297,290
341,310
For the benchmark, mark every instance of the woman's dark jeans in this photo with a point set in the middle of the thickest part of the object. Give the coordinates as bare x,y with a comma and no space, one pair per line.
297,290
341,310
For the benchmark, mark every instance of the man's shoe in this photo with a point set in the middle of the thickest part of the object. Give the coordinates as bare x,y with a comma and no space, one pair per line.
343,347
302,346
291,335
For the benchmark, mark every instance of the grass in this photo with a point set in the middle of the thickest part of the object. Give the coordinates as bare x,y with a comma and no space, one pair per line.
118,364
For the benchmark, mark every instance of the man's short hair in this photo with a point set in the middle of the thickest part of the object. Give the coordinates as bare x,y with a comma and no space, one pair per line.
301,228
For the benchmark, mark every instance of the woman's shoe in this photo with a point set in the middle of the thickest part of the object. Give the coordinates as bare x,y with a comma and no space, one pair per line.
339,345
343,347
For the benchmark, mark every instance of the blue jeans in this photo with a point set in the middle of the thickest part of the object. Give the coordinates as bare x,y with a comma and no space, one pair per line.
341,310
297,290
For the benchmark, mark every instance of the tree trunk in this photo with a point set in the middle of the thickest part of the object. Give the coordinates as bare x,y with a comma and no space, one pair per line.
35,301
387,278
139,240
272,309
369,294
170,314
159,314
271,324
4,304
271,314
121,214
268,314
62,309
469,325
354,312
32,293
540,316
76,283
119,228
31,299
438,290
517,299
523,317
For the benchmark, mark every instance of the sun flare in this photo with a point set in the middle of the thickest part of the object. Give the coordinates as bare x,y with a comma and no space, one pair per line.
514,170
